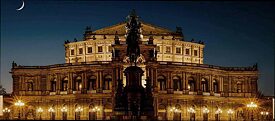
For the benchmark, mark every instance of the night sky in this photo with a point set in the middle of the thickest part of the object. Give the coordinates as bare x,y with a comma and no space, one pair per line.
235,33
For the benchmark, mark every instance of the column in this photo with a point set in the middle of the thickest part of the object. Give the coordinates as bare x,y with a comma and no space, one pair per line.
58,83
70,82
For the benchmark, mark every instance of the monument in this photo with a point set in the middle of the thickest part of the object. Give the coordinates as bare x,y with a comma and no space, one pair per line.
133,102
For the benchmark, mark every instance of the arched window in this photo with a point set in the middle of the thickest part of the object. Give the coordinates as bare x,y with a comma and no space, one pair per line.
78,112
91,83
64,84
218,114
52,112
162,115
192,112
177,83
53,85
215,86
107,83
77,83
177,113
64,111
92,113
191,84
205,111
161,83
239,87
204,85
30,85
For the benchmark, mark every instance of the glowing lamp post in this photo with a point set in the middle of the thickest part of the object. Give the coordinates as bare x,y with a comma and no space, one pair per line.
51,110
230,112
78,110
6,112
175,110
40,110
192,113
218,112
251,106
95,109
205,114
64,113
264,115
19,104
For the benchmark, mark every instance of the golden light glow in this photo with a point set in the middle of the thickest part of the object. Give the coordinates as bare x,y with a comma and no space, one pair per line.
64,109
39,110
51,109
19,103
205,110
174,109
230,111
6,110
218,111
191,110
78,109
96,109
252,105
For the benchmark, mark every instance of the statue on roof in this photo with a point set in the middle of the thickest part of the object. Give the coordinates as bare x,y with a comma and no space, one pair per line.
133,37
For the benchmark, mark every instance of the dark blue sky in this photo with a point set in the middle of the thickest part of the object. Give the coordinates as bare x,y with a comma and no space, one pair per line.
235,33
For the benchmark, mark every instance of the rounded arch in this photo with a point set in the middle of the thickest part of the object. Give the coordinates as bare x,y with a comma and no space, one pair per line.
178,106
176,77
108,106
161,82
107,83
92,77
191,84
108,76
161,77
162,107
177,84
65,78
78,78
204,85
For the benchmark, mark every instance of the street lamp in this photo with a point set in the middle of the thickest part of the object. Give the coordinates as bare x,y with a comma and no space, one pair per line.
192,113
205,113
64,113
95,109
51,110
78,110
6,112
19,104
217,113
175,110
264,114
40,110
252,105
230,112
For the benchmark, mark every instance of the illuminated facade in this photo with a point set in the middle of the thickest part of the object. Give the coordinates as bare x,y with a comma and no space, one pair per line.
184,88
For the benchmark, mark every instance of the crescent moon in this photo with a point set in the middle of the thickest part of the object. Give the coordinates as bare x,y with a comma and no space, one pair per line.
21,6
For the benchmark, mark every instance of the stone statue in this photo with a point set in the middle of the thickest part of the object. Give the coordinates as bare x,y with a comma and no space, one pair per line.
133,37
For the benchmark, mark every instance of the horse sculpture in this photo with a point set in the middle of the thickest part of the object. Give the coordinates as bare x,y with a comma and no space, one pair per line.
132,38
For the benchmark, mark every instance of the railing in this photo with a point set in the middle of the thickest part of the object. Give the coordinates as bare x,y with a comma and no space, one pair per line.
253,68
63,65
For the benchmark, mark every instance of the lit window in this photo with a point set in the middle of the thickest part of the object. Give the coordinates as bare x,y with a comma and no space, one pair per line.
90,49
80,50
99,48
168,49
187,51
178,50
109,48
158,48
195,52
72,52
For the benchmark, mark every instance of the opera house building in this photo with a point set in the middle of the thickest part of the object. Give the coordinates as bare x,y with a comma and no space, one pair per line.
183,87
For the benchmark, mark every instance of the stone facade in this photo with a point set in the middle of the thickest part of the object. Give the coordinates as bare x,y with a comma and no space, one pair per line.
182,84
